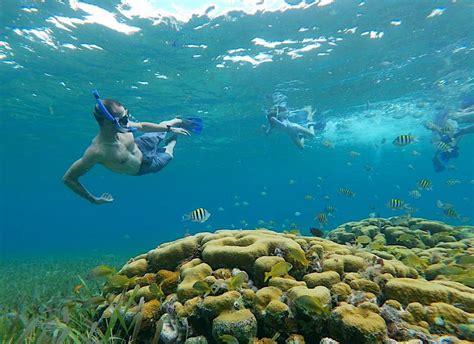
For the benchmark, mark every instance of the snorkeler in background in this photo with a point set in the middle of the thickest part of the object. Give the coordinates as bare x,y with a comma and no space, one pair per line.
298,123
448,132
115,147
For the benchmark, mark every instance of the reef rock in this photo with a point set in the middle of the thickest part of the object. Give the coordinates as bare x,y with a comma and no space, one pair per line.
406,278
350,324
241,324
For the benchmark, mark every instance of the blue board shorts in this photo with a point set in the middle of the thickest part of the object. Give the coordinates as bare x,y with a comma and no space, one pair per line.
154,158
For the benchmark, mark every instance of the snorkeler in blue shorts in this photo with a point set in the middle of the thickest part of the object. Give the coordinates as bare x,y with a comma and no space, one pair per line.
117,149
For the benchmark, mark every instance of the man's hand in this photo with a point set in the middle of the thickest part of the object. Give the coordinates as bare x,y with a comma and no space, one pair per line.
105,198
180,131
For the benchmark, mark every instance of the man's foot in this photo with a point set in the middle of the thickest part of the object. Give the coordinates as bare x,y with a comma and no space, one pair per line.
170,143
170,139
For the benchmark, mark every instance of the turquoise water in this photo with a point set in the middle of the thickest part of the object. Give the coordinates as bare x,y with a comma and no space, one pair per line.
373,70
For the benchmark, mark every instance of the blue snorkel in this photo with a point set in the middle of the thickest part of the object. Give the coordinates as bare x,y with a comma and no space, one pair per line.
106,114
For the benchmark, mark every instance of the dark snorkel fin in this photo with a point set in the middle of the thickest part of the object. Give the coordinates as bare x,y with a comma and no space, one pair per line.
106,114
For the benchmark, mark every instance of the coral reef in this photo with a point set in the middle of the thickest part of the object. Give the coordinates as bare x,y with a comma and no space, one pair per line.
407,280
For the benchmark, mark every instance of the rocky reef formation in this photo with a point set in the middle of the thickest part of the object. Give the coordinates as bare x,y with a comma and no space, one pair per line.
260,286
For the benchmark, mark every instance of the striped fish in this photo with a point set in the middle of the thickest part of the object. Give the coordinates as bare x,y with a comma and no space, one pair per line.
452,182
444,147
424,184
396,203
345,192
322,218
198,215
447,129
403,140
329,209
451,213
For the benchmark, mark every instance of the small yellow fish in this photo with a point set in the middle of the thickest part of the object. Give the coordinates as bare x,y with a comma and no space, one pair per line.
156,290
309,198
363,240
101,271
278,270
298,256
327,144
376,245
77,288
118,281
311,305
202,287
228,339
237,281
294,231
93,301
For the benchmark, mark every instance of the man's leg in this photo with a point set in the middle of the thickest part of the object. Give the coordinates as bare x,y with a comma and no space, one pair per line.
298,141
170,144
305,131
464,131
465,116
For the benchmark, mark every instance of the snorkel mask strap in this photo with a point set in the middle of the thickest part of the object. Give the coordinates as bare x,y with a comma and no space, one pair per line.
106,114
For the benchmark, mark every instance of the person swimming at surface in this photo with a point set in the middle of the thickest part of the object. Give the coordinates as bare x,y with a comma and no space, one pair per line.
115,147
298,124
448,134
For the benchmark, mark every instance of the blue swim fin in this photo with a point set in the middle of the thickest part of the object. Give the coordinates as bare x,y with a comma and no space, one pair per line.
193,124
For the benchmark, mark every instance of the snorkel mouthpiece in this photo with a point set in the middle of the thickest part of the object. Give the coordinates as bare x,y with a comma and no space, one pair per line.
106,114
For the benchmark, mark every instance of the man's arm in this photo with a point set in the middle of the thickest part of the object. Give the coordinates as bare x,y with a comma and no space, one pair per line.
148,127
78,169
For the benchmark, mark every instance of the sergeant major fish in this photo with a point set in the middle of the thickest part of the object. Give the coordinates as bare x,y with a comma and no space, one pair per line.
200,215
403,140
345,192
396,203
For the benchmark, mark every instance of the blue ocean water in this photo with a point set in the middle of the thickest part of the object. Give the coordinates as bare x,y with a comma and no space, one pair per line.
373,70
